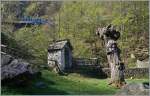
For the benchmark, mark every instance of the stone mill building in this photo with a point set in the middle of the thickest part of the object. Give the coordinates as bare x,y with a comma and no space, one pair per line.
60,54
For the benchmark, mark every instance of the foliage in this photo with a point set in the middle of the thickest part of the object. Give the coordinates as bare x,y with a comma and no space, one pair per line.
36,40
77,21
15,48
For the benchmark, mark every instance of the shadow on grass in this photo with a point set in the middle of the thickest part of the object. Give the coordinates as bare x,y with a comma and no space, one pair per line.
31,89
90,72
60,85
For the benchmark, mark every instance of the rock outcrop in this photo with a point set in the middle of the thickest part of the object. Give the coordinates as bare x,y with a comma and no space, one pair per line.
135,89
11,67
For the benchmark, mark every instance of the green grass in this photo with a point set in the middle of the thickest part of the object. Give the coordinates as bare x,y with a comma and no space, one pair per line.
71,84
137,80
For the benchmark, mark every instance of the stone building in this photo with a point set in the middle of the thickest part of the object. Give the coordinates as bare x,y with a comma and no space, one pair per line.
60,55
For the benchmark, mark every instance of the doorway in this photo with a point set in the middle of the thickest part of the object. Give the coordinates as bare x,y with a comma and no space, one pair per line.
67,58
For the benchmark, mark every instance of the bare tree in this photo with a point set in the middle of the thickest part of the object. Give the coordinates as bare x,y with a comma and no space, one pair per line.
109,35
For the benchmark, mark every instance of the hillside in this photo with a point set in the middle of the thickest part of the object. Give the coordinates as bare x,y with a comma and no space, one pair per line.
78,21
61,36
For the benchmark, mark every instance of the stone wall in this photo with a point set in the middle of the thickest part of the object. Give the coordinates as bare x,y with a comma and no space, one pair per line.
142,64
60,57
56,55
132,72
85,61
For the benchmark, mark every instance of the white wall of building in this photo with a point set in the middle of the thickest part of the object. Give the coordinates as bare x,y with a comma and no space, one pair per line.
56,55
59,56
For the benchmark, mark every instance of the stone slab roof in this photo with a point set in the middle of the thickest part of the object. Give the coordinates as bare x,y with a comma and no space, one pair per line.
58,45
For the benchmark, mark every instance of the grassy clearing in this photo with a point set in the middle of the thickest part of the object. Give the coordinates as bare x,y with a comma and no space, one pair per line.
71,84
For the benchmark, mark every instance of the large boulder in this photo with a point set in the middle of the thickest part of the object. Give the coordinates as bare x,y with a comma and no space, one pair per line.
11,67
134,89
5,59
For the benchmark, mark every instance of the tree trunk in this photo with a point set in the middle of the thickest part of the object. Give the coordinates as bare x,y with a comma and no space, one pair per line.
114,60
109,35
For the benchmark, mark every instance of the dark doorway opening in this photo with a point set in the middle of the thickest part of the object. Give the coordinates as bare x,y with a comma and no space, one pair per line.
67,58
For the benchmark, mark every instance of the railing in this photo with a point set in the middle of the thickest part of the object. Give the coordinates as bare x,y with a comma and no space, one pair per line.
27,20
